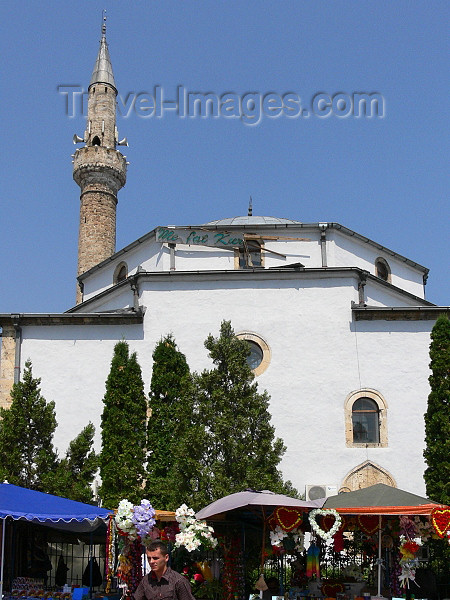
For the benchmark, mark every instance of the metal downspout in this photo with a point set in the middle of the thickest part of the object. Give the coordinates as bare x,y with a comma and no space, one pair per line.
323,243
135,289
17,348
361,286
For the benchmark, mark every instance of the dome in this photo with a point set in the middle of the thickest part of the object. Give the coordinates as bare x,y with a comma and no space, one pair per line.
253,220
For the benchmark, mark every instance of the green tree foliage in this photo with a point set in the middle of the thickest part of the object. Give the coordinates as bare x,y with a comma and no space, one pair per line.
168,422
437,417
74,474
124,423
26,434
437,439
27,455
231,444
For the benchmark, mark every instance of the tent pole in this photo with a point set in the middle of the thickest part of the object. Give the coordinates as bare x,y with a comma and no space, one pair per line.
91,564
379,556
3,557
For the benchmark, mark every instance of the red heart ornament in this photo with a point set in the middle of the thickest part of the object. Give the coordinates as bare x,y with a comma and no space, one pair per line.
330,590
288,518
440,518
368,523
272,522
328,522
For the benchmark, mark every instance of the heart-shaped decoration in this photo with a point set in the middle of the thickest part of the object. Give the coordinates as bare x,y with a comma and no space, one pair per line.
440,518
331,590
329,520
272,522
288,518
317,512
368,523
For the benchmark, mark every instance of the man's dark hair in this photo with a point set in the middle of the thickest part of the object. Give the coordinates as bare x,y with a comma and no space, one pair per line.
157,545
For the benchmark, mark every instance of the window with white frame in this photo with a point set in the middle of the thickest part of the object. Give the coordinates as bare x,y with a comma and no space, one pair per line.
366,419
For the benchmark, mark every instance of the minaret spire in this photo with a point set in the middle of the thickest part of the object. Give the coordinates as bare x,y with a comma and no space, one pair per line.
103,72
99,169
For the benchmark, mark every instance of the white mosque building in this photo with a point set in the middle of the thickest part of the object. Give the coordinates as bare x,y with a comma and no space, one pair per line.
338,325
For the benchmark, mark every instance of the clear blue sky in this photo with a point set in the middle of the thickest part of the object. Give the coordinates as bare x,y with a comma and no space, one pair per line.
385,178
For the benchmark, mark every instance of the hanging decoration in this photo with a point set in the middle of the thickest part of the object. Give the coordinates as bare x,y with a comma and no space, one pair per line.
290,541
287,518
110,553
312,562
325,535
135,526
338,541
135,522
329,520
369,523
440,518
233,569
424,527
193,534
331,590
408,561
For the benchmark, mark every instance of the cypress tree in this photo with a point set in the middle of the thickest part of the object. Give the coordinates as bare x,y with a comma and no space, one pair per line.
231,445
168,421
27,454
74,474
124,421
437,417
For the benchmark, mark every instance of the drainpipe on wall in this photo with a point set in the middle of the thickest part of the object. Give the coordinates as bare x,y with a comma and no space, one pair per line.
361,285
135,289
323,242
425,279
17,347
172,257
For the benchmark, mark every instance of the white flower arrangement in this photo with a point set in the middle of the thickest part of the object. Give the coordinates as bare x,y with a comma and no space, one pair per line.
193,533
278,535
325,535
124,521
424,529
353,570
135,521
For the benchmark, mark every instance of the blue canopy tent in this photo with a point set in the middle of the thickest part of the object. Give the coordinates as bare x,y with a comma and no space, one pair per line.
21,504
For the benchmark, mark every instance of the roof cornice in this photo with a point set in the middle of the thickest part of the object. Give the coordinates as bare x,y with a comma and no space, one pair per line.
105,318
398,313
257,273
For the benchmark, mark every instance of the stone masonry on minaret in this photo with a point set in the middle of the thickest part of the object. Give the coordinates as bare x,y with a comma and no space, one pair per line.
99,169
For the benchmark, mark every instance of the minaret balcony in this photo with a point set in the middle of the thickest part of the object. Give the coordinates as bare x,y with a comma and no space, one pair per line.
92,160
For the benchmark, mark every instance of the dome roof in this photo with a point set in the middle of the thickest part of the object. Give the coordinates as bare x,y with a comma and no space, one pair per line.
253,220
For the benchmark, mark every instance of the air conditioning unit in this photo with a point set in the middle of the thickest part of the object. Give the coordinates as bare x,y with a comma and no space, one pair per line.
316,491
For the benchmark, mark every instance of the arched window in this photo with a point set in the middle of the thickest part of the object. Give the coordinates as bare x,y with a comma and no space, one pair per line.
365,419
365,422
120,272
382,269
96,141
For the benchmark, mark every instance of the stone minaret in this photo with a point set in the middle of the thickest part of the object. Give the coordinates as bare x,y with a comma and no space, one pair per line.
98,168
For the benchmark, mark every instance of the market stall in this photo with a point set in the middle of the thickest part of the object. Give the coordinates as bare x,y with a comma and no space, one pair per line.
19,504
384,510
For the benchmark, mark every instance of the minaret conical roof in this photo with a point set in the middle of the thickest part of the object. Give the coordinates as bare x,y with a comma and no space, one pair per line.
103,72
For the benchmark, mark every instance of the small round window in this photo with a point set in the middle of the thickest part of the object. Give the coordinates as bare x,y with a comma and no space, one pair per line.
255,358
259,358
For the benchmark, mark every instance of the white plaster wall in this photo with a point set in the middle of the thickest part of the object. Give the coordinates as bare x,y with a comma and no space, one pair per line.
73,363
377,294
351,252
150,255
319,356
